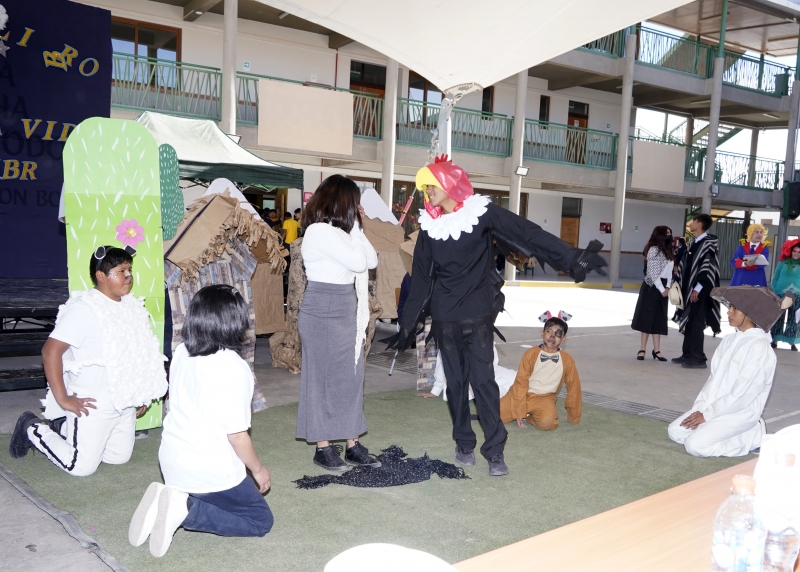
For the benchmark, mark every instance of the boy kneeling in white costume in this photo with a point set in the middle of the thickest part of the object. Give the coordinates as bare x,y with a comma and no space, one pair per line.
725,420
102,361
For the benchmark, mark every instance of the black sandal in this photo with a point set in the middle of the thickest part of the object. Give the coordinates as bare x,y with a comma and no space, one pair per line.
640,357
657,355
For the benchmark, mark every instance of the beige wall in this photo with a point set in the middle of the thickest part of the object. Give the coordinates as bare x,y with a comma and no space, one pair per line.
293,116
658,167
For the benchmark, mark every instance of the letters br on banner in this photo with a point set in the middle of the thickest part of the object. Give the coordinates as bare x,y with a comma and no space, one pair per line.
55,71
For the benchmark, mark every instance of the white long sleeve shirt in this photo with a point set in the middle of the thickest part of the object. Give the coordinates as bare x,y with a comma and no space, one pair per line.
329,257
742,370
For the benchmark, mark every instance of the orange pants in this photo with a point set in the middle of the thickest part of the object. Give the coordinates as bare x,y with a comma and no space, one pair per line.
541,410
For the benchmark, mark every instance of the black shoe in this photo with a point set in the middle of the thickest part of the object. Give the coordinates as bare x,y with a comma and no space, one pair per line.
328,458
55,424
640,355
141,434
695,365
680,360
658,356
497,466
465,457
358,456
20,443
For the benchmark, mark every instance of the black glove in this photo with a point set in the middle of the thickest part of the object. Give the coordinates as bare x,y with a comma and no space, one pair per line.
401,341
588,260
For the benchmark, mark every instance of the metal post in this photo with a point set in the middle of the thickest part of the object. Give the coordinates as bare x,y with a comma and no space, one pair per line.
788,165
688,138
622,160
389,131
445,127
230,24
722,25
713,133
751,169
517,142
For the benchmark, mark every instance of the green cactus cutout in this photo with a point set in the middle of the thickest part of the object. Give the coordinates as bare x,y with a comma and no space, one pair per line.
172,209
112,189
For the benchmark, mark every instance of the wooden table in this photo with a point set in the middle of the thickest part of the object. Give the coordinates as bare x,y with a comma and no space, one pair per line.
669,531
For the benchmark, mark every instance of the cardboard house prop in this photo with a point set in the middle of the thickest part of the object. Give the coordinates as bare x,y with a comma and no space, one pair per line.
221,242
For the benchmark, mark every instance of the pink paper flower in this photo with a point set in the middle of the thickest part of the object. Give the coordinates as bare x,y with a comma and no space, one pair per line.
130,233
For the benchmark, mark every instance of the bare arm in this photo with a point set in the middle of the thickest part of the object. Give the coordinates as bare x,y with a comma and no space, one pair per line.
243,447
53,358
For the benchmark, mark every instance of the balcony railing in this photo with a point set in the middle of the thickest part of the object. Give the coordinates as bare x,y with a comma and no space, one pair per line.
557,143
756,74
746,171
612,45
695,156
472,131
189,90
693,57
367,108
673,52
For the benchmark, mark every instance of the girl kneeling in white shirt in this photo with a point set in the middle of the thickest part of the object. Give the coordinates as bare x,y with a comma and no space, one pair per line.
205,446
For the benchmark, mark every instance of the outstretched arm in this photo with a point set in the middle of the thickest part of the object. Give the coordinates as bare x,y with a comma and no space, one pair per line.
417,304
513,232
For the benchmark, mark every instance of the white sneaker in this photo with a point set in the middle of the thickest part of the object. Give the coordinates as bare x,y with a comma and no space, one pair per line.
145,516
172,512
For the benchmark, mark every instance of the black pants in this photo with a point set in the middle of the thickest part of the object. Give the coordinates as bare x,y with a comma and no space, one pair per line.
693,336
467,355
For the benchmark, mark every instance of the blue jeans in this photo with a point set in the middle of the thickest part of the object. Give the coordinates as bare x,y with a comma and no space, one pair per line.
240,511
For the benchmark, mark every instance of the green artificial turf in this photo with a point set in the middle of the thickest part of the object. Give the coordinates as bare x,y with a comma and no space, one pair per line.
556,478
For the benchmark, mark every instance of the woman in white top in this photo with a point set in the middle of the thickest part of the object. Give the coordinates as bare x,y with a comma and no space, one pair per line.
650,316
332,323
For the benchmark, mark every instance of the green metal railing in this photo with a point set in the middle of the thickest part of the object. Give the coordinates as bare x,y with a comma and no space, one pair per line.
756,74
558,143
189,90
472,131
747,171
675,53
367,108
612,45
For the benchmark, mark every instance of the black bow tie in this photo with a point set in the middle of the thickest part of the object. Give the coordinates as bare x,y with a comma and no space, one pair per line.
553,357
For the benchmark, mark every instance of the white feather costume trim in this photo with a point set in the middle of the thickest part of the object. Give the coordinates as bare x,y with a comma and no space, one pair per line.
451,225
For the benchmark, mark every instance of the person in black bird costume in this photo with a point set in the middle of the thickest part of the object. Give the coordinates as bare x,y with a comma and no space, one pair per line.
454,281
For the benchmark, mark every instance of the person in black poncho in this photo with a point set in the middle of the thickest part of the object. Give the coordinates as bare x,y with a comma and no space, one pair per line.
455,283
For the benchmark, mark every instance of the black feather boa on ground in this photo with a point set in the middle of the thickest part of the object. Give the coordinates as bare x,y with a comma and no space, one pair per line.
395,470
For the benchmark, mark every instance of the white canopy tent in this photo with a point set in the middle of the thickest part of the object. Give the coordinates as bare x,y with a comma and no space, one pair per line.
464,42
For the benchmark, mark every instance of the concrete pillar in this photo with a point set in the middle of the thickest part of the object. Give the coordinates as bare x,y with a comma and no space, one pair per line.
517,145
622,160
688,138
389,132
751,168
230,25
713,132
788,165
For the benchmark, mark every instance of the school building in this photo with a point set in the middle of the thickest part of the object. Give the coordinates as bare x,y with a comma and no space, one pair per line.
717,71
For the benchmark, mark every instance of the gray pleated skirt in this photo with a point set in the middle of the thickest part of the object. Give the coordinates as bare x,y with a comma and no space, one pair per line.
331,405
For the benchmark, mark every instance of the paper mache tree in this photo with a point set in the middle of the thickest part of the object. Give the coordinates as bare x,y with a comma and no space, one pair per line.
112,196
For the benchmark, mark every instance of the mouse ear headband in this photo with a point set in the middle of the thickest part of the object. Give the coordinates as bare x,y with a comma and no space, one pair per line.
562,315
101,252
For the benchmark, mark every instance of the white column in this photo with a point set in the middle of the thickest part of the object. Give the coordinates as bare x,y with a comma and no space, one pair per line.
622,160
751,168
713,132
230,24
389,133
788,166
517,144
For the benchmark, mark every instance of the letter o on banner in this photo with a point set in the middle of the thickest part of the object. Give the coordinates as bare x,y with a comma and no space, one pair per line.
94,68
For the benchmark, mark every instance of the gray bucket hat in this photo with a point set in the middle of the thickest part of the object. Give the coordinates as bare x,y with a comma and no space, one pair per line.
761,305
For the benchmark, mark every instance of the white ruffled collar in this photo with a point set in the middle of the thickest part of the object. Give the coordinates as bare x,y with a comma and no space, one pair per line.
453,224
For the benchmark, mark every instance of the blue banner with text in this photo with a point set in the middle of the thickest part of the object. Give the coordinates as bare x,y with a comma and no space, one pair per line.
55,71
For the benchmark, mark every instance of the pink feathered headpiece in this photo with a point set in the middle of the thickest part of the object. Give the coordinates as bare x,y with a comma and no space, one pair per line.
452,179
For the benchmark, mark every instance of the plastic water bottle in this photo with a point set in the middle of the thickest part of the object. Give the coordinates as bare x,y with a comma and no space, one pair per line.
783,536
738,542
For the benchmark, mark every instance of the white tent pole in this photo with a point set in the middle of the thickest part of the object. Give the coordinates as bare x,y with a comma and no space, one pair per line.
230,25
446,126
518,141
389,134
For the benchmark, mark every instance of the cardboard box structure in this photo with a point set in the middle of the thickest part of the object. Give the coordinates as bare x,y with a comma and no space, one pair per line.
219,242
